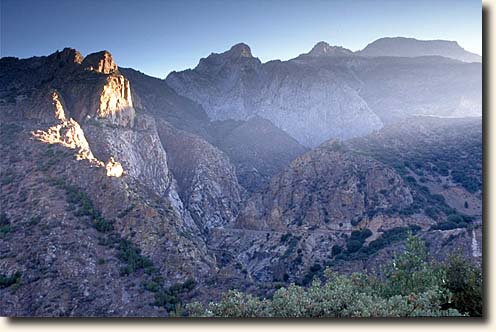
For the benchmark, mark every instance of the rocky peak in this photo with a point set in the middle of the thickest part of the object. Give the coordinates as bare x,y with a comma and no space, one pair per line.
239,53
67,55
324,49
240,50
101,62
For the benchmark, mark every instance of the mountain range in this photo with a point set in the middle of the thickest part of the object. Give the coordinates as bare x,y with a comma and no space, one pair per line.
126,195
331,92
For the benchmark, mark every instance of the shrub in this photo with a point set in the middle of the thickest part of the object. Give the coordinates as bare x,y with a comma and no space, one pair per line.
170,298
131,256
445,225
285,237
7,281
464,280
353,245
456,218
413,287
336,250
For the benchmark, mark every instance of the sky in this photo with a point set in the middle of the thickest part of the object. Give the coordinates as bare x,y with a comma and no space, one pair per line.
159,36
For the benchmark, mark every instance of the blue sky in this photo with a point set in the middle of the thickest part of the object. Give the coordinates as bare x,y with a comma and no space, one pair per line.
158,36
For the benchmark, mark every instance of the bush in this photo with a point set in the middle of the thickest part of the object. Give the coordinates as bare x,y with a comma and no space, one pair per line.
464,280
456,218
453,221
7,281
285,237
5,226
131,256
170,298
413,287
340,296
445,225
353,245
336,250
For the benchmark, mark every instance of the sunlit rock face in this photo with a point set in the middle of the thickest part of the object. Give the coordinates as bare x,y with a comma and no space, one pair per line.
101,62
114,168
70,134
91,88
116,104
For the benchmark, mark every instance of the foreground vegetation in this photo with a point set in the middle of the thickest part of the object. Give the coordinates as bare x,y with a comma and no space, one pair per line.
410,286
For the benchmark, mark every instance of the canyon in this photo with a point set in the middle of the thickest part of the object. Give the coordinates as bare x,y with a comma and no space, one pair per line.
128,195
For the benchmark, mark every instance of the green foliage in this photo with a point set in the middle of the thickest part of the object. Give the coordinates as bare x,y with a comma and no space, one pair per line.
353,245
411,287
5,226
131,256
85,205
339,296
151,286
356,250
285,237
7,281
128,253
464,280
336,250
411,272
170,298
453,221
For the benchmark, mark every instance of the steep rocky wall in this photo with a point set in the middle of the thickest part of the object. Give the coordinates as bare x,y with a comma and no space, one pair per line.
206,178
327,188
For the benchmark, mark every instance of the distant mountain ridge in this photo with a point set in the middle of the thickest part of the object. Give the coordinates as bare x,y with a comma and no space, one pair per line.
411,47
332,92
324,49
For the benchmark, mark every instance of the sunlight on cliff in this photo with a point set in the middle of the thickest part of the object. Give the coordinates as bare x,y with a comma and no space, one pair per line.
70,134
114,168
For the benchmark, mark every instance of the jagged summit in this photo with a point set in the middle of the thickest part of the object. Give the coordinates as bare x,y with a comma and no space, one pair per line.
68,55
324,49
102,62
240,50
411,47
239,54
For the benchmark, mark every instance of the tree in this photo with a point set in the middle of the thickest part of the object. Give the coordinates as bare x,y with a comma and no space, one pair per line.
412,286
464,280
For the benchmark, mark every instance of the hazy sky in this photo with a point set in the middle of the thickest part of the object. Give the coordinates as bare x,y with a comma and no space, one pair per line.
157,37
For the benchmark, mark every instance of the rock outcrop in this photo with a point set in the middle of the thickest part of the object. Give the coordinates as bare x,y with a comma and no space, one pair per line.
100,93
101,62
327,188
207,180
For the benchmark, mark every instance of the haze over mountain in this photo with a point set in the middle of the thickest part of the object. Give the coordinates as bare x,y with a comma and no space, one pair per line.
411,47
331,92
128,195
